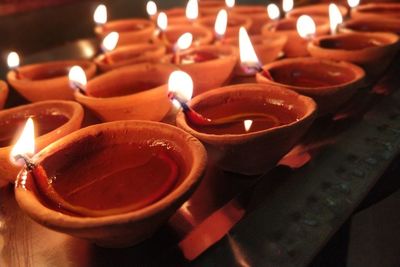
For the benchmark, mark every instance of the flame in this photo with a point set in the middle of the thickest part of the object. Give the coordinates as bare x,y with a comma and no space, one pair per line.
247,124
230,3
306,26
181,85
335,17
221,22
77,77
162,21
100,15
25,146
151,8
287,5
13,60
353,3
110,42
184,41
247,54
273,11
192,9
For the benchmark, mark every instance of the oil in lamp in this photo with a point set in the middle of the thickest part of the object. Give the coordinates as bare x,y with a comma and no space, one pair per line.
273,11
151,9
335,18
220,25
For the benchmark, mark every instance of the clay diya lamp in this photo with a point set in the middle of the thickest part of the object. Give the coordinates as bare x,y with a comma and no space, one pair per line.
296,46
3,93
371,24
329,83
258,14
177,16
113,184
381,10
372,51
130,55
248,121
54,119
214,62
129,93
234,23
315,10
210,7
49,80
131,31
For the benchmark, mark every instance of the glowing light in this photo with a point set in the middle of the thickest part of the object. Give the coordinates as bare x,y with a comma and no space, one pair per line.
287,5
273,11
353,3
110,42
230,3
247,124
306,26
335,17
25,146
221,22
184,41
77,78
192,9
100,15
162,21
181,85
13,60
151,8
248,56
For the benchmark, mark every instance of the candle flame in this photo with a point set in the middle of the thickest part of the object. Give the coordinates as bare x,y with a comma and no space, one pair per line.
335,17
100,14
110,42
184,41
230,3
246,50
162,21
77,78
181,85
353,3
247,125
151,8
273,11
25,146
13,60
221,22
287,5
192,9
306,27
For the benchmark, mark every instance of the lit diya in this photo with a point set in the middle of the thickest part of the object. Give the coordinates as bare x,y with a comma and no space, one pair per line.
54,120
371,24
258,14
241,122
75,187
3,93
127,93
45,81
381,10
329,83
372,51
315,10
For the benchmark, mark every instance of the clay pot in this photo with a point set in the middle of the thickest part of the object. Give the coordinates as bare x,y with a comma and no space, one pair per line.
315,10
267,48
329,83
372,51
381,10
295,45
46,81
71,110
177,16
256,152
210,7
217,71
371,24
131,31
128,93
258,14
234,23
130,55
123,229
3,93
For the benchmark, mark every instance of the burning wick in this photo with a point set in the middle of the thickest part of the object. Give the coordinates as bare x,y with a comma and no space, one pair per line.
77,79
306,27
183,43
151,8
192,10
273,12
13,62
162,24
248,57
100,15
109,43
25,146
335,18
220,25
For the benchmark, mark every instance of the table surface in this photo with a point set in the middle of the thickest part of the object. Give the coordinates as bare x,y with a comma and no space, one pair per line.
289,214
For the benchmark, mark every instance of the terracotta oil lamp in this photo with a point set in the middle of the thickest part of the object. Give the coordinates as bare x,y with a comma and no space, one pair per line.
177,16
234,23
381,10
128,93
315,10
371,24
372,51
54,119
258,14
210,7
3,93
296,46
329,83
73,186
201,35
242,122
46,81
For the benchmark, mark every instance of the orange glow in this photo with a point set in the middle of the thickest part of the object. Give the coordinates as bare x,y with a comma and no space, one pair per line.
247,125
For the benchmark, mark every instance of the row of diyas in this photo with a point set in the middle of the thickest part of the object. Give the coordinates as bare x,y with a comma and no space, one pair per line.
235,123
